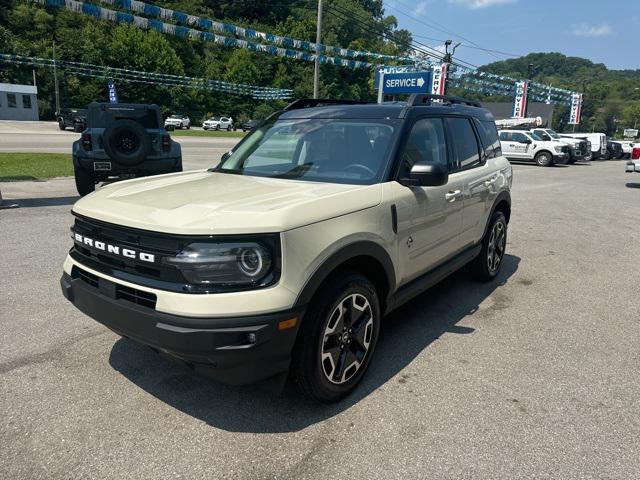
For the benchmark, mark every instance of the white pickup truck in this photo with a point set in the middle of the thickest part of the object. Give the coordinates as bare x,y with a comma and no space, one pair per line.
634,164
526,146
598,142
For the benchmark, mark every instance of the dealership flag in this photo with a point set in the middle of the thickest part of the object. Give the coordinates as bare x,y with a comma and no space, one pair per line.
520,101
576,109
439,79
113,95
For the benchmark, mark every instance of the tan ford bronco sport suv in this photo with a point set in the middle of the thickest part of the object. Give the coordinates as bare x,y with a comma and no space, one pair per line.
284,259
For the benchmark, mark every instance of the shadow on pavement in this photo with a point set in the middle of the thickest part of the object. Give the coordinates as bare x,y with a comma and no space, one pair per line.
46,201
633,185
405,334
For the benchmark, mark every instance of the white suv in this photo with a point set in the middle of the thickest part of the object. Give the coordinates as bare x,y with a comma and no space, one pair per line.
284,258
218,123
177,121
525,146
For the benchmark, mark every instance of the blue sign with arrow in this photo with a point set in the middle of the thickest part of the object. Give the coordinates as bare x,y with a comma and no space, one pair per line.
413,82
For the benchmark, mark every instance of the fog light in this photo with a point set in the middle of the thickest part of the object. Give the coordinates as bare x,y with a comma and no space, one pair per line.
251,338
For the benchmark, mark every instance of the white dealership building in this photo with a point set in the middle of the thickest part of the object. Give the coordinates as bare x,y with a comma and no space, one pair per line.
18,102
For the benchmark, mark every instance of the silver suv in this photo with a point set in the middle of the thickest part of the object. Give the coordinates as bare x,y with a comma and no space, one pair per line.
284,259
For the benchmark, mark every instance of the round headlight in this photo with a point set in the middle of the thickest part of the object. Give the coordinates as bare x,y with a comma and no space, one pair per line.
250,261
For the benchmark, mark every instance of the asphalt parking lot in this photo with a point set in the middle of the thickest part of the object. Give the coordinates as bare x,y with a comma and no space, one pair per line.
534,376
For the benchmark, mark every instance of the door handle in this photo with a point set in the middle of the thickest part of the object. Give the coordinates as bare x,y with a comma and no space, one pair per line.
490,182
451,195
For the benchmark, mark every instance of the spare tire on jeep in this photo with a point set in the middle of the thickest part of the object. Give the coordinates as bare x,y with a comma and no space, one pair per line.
126,142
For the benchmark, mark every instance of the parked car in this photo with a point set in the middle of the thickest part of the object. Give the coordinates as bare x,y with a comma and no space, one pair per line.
627,147
123,141
218,123
598,142
579,149
614,150
177,121
285,260
75,118
249,125
526,146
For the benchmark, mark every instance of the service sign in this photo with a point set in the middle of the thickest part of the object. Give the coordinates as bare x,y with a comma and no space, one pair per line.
413,82
520,101
630,132
113,95
576,109
439,79
392,69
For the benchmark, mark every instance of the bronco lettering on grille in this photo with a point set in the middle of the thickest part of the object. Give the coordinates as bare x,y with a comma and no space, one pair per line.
114,249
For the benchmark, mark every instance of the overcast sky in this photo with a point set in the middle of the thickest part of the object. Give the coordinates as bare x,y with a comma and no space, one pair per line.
604,32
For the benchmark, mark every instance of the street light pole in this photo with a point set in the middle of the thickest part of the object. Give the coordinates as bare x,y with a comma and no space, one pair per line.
55,80
316,70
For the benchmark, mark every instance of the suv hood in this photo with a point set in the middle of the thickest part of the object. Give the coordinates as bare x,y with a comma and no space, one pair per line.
202,202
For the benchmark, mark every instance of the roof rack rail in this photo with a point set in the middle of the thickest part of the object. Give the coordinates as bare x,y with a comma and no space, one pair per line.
427,98
317,102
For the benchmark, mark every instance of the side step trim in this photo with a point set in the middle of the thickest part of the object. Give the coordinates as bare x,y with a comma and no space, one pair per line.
426,281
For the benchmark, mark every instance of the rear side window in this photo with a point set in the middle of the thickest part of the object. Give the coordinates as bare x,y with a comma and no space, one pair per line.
489,137
426,144
505,136
465,144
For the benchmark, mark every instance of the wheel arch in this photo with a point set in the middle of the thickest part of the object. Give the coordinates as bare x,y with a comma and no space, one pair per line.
502,204
365,257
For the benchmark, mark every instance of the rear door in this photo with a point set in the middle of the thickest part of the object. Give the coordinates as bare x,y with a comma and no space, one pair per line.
506,142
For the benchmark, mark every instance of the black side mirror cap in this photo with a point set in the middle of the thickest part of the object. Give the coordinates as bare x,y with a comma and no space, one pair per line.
426,175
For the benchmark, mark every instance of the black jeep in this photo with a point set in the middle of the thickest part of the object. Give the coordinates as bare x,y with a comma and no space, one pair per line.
123,141
75,118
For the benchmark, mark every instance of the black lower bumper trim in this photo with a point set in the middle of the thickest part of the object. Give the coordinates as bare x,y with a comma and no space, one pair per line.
236,351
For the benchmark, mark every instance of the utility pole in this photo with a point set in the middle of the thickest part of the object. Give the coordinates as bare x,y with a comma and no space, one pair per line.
447,59
55,79
316,70
529,75
33,70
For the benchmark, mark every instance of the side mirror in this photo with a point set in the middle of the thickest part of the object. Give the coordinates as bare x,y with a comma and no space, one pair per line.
225,156
426,175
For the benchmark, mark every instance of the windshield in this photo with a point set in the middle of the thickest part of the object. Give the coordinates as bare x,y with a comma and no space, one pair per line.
553,134
175,116
319,150
214,119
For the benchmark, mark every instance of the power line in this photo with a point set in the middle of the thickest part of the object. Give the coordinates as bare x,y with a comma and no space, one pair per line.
433,24
386,33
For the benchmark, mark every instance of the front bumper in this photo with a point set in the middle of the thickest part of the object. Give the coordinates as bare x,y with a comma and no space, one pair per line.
631,167
236,350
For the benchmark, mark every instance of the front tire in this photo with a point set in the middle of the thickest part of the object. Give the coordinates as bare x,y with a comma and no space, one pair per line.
337,338
543,159
85,183
486,266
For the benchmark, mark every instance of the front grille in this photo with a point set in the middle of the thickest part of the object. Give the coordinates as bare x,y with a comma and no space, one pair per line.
86,277
129,269
139,297
115,290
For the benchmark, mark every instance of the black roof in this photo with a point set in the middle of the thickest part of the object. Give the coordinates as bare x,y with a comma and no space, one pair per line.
387,110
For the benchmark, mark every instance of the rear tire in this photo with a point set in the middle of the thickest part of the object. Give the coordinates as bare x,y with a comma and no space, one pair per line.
486,266
543,159
85,184
77,127
337,338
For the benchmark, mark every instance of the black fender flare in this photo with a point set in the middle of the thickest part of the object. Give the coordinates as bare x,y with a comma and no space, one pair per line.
502,196
344,254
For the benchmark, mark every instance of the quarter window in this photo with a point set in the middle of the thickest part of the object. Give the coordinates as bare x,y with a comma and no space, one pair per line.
11,100
465,144
489,136
26,101
426,144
